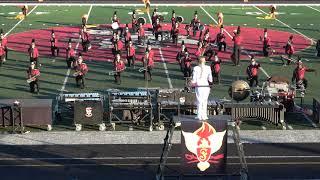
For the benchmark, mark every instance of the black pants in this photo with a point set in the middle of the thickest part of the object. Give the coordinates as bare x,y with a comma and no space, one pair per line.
1,60
187,71
266,50
131,60
195,29
34,86
80,81
54,49
70,61
117,78
220,44
237,53
174,38
253,81
6,50
147,74
85,45
318,54
216,77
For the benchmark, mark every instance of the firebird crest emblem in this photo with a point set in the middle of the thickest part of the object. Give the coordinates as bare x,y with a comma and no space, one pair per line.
202,144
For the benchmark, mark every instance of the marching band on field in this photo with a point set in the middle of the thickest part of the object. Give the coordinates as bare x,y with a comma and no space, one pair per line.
207,50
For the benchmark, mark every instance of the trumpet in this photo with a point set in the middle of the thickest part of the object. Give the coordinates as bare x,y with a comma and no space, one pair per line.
76,73
32,79
142,69
111,73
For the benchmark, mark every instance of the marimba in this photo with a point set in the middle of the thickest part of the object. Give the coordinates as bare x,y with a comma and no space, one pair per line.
272,112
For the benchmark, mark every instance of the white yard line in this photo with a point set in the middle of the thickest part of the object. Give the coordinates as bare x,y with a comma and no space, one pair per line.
163,61
20,21
69,70
306,37
268,76
313,8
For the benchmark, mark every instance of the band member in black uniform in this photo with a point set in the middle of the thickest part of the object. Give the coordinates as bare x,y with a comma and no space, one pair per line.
180,56
154,17
33,78
54,43
173,19
127,36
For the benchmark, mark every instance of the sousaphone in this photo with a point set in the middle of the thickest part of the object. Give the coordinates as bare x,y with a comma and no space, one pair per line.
180,19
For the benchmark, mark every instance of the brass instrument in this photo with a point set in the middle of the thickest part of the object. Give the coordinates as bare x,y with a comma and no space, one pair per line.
111,73
75,74
33,78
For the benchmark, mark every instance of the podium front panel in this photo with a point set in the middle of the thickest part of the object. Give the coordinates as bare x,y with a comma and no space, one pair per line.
204,145
88,112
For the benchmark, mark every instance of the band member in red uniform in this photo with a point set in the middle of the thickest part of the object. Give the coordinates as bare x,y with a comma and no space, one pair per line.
134,22
81,71
299,76
175,33
216,69
119,67
237,39
187,64
4,43
141,34
131,54
195,24
85,39
34,53
253,72
54,43
289,50
206,39
117,45
157,30
180,56
266,43
2,53
33,78
127,36
70,55
148,64
200,50
221,39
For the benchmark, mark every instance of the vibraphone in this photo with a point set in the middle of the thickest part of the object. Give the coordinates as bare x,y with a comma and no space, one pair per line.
131,107
272,112
172,102
89,103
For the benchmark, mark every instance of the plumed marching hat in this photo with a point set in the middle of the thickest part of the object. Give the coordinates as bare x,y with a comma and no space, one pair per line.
115,13
195,12
182,43
33,41
70,40
173,12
